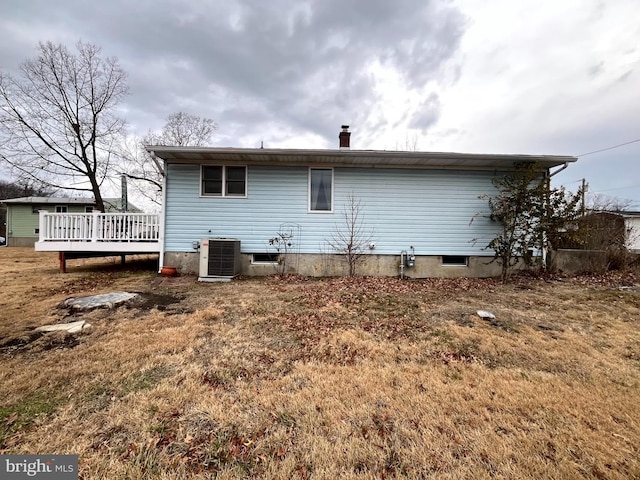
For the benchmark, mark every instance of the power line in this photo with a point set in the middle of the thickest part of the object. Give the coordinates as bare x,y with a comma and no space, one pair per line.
609,148
617,188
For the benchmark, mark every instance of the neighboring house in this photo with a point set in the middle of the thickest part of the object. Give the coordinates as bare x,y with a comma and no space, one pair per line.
632,229
113,205
429,204
23,221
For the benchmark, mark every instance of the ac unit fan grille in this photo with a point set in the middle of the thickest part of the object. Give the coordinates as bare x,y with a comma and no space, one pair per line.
222,259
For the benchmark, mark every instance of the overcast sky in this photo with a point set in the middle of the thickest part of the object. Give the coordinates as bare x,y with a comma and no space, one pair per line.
482,76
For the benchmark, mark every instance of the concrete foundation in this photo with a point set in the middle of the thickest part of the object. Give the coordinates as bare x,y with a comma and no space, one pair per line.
324,265
579,261
21,241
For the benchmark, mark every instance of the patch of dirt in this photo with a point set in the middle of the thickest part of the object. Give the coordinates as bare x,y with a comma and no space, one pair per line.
55,341
549,328
77,285
146,301
180,280
37,342
503,325
465,319
19,342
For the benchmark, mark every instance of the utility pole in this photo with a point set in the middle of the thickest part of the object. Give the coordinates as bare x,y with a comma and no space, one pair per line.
124,194
584,190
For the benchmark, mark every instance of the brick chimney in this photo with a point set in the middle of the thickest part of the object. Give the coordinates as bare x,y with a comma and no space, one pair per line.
345,136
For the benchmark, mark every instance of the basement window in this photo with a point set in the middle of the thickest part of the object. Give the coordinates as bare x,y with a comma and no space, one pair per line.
264,258
223,181
455,261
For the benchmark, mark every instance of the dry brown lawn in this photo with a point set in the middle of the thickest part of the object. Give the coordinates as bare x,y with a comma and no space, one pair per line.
336,378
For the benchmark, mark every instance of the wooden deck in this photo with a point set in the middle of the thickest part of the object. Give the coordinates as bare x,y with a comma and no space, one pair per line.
97,232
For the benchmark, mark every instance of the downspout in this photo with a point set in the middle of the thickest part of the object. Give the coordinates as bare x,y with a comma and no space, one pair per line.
163,212
549,175
8,227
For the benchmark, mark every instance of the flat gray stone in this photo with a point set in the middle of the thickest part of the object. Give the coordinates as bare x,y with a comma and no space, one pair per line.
72,327
106,300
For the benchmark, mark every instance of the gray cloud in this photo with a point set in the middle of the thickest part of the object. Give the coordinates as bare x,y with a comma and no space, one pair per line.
597,69
253,63
427,113
289,72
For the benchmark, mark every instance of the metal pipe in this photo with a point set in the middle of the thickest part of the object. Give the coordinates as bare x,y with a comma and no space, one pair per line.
403,253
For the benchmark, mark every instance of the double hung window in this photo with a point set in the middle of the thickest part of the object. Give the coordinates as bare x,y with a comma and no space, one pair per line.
223,181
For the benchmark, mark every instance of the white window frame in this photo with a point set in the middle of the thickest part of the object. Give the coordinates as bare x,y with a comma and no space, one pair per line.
309,189
224,182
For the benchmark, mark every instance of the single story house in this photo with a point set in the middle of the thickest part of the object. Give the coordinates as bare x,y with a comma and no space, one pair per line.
423,214
22,214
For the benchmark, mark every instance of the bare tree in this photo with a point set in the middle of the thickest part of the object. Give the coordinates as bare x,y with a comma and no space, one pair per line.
411,142
598,202
184,130
57,121
180,129
351,238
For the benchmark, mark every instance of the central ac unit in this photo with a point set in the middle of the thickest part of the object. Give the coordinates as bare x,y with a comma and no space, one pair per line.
219,259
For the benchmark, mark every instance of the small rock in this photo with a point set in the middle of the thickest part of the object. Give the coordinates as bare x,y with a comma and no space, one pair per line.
627,288
486,315
73,327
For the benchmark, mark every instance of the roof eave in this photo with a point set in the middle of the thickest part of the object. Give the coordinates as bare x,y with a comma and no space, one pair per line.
49,200
362,158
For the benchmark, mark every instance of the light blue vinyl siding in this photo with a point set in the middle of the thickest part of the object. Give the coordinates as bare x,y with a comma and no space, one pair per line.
431,210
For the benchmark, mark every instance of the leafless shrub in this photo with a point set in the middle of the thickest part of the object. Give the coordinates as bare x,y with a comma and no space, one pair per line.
351,238
281,243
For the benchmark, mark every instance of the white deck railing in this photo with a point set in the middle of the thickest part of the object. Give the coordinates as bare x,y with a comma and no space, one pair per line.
99,227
